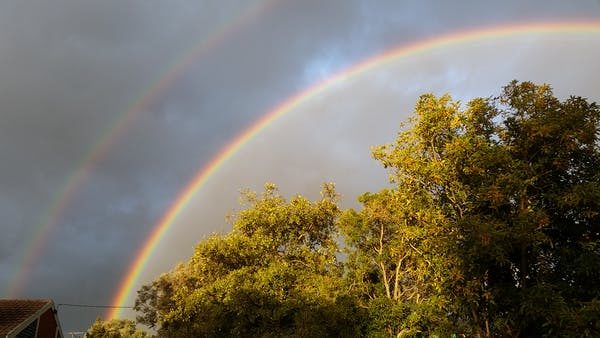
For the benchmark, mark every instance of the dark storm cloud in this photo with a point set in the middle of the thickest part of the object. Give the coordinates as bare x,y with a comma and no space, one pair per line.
70,68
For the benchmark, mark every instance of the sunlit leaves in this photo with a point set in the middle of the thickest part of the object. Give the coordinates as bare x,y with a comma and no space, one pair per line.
491,228
494,216
115,328
275,274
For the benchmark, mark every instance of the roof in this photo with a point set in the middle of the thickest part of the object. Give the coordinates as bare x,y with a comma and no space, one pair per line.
13,312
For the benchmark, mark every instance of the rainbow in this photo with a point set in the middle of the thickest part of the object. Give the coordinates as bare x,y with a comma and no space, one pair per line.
74,182
144,256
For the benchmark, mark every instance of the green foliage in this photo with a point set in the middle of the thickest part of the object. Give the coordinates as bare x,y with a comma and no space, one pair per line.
491,228
493,225
275,274
115,328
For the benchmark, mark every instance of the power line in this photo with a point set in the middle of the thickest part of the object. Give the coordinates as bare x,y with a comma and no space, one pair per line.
82,333
94,306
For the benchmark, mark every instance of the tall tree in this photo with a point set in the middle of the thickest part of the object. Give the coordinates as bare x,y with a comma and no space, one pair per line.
491,228
275,274
397,247
493,225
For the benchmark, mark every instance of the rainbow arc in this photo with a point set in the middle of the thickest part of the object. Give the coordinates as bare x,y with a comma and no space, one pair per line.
75,181
145,254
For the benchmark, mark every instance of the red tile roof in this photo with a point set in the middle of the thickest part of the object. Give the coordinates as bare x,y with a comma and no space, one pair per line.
14,311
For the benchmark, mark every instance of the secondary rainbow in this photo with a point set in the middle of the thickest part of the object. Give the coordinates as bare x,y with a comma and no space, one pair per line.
74,182
168,219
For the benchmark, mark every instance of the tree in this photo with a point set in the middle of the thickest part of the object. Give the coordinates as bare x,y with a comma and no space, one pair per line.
275,274
115,328
492,227
396,243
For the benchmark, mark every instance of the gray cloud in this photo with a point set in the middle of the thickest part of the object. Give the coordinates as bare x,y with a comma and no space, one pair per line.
70,69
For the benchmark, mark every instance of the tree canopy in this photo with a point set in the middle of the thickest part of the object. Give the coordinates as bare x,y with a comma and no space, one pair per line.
490,227
275,274
115,328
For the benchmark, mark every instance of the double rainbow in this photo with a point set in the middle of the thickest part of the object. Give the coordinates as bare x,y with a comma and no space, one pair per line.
74,182
144,256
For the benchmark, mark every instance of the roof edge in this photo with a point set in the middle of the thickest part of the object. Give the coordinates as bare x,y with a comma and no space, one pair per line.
30,319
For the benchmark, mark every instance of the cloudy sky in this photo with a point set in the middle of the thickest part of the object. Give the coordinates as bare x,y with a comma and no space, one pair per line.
81,187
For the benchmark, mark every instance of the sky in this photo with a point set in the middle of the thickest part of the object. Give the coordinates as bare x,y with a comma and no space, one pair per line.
109,108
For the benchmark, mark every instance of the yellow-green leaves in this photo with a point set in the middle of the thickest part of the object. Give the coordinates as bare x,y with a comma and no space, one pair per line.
115,328
493,213
275,274
491,227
